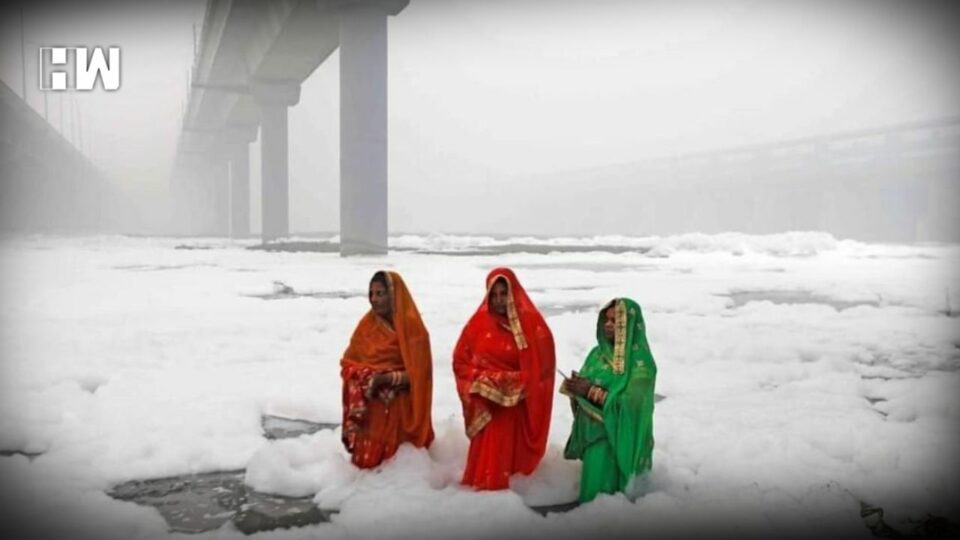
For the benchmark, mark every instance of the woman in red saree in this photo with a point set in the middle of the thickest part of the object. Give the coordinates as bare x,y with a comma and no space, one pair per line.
387,376
504,364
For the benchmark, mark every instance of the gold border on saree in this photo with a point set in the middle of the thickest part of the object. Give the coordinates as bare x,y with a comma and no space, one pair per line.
479,422
494,394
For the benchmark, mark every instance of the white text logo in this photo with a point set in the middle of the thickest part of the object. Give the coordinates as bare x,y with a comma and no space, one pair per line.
79,68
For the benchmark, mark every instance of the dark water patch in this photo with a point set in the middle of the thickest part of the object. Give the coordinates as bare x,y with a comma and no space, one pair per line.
873,401
885,372
269,512
282,291
196,503
885,377
326,246
316,246
561,508
189,503
160,267
343,295
884,366
926,527
742,298
589,267
279,427
457,253
550,310
550,289
898,257
539,249
91,385
29,455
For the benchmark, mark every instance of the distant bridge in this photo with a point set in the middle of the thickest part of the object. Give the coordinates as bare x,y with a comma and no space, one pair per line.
892,183
889,144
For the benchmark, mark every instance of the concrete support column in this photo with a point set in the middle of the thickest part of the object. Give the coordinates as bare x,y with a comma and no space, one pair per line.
238,149
274,98
275,190
240,191
191,196
218,181
363,125
178,212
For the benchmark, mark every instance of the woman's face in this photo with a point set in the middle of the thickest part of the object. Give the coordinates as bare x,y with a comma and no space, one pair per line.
380,300
498,298
609,322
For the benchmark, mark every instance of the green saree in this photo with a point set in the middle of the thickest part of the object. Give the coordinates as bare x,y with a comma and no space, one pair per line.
615,440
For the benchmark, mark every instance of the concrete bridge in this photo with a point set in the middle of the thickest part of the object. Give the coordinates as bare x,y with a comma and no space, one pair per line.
891,183
931,138
252,58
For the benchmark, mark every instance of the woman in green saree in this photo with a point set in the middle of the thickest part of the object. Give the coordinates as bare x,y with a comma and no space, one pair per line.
612,399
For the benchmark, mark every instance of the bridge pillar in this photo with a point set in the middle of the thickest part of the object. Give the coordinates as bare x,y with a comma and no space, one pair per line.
179,209
238,149
218,185
274,97
240,191
363,124
192,195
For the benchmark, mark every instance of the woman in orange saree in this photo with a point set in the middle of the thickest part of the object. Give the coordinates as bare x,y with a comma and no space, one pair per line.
504,363
387,376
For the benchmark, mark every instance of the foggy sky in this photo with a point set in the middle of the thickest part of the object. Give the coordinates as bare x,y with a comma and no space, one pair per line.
485,95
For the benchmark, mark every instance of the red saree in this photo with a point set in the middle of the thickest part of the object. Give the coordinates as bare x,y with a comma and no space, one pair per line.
375,425
504,368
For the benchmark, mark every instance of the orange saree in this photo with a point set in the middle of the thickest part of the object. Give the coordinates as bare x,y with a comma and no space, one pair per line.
376,423
504,368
